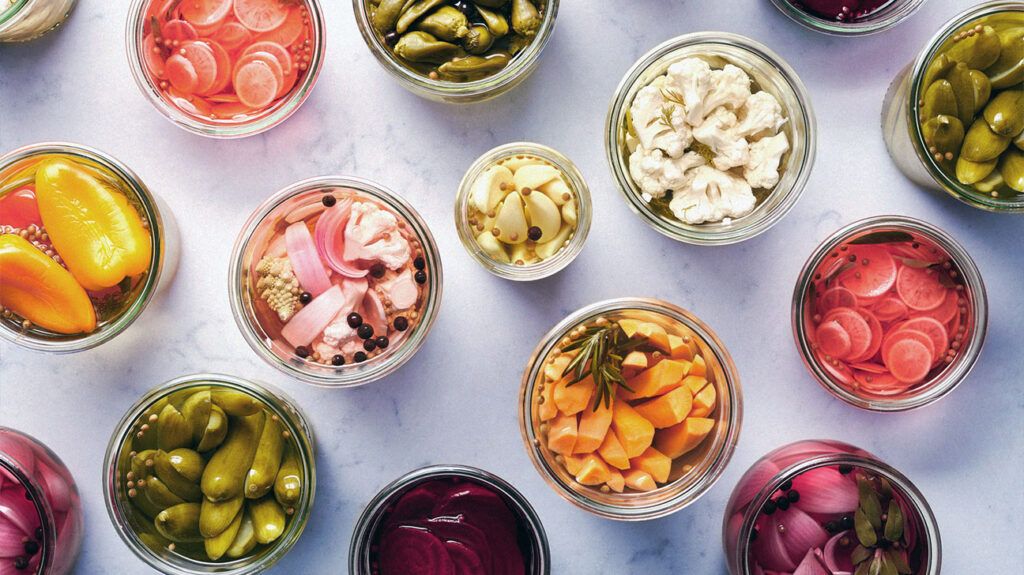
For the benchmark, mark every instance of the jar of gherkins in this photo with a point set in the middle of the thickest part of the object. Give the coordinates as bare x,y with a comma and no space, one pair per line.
210,473
457,51
953,120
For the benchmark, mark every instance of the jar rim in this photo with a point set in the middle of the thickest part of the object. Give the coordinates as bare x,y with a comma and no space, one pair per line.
697,485
493,85
273,399
753,224
565,255
351,375
225,130
945,382
41,502
884,18
366,524
152,215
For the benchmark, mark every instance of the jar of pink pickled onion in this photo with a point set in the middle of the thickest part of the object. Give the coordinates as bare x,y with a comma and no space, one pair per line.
226,68
40,512
824,506
890,313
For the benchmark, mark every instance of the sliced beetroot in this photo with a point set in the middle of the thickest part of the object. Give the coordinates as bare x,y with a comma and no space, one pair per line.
465,559
448,529
920,288
487,511
406,550
417,503
873,272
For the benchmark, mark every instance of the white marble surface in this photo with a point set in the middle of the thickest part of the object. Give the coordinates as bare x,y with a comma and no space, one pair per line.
455,402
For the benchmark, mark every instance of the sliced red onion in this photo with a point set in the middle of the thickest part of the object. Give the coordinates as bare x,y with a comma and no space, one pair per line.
330,240
837,555
825,490
19,452
811,564
802,533
909,524
373,313
770,547
310,321
754,480
305,261
732,528
19,511
57,490
355,291
10,539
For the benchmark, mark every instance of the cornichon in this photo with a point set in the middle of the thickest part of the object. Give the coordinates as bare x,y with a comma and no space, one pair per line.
245,540
265,465
268,519
235,403
224,476
158,493
216,430
179,523
196,410
167,465
288,485
217,546
172,431
462,68
214,518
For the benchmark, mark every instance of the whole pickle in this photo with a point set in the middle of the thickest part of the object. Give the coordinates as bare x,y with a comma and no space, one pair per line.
177,483
235,403
214,518
245,540
196,410
216,430
446,23
1012,169
268,519
968,172
422,47
938,100
976,49
981,144
267,462
938,69
1005,113
495,22
217,546
172,431
288,485
159,494
1008,70
414,12
224,476
526,19
472,66
179,523
479,39
143,504
963,88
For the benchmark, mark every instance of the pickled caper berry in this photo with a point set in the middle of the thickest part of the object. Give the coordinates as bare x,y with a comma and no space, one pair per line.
421,277
401,323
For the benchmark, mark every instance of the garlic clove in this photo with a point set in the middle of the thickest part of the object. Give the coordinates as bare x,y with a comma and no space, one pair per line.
492,247
511,220
534,176
491,187
558,191
569,213
515,163
543,213
549,248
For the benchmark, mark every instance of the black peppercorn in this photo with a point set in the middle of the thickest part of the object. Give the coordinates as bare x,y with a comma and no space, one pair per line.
39,533
305,297
534,233
31,547
753,534
421,277
329,200
782,503
338,360
769,507
377,270
21,563
360,357
383,342
354,320
793,496
845,469
391,38
846,522
832,527
419,263
302,351
786,486
401,324
369,344
365,331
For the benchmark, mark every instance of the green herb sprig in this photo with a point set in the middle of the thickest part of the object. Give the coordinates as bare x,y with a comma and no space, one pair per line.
879,533
601,351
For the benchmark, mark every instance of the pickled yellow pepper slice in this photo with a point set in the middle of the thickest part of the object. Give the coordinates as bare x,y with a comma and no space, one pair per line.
96,232
40,290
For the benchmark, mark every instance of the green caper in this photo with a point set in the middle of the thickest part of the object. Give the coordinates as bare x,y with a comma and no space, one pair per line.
1008,70
1012,169
495,22
938,100
963,88
526,18
414,12
473,66
968,172
981,144
479,40
938,69
977,50
993,182
982,90
422,47
446,23
387,13
944,134
1005,113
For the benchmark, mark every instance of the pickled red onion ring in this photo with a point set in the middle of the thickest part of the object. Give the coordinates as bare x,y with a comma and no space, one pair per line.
374,314
836,562
811,564
310,321
824,490
305,261
330,240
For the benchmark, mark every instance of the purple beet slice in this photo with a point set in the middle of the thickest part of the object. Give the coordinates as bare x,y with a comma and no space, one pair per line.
448,529
417,503
409,550
486,511
466,561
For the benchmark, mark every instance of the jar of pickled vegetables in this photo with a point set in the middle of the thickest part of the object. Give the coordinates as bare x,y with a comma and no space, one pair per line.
848,17
890,313
822,506
226,68
630,408
60,292
457,51
24,20
40,511
449,519
953,119
210,473
336,281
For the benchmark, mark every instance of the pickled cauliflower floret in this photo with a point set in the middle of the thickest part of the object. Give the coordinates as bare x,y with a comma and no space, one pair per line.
692,78
717,133
711,196
372,235
659,123
730,87
762,171
656,173
278,286
761,113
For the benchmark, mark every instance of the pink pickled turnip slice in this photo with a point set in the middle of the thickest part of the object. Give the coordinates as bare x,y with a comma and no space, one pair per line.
466,561
305,261
812,564
770,549
331,241
825,490
403,291
802,533
414,551
310,321
752,482
837,555
373,313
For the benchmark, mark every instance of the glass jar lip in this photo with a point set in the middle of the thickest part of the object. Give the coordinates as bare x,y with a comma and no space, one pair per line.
47,518
913,496
458,91
920,65
281,112
565,255
273,399
351,375
947,381
151,213
698,485
901,10
696,234
362,536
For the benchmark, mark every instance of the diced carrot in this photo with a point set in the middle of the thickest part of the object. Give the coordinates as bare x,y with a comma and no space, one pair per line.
547,408
572,399
654,462
611,451
639,480
662,377
594,471
615,480
667,410
562,434
680,439
593,428
634,432
704,402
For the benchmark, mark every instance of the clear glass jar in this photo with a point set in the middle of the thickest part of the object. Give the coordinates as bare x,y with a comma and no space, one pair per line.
781,466
901,127
566,254
772,74
24,20
49,501
883,18
974,310
458,92
253,239
249,125
688,482
126,519
154,212
359,562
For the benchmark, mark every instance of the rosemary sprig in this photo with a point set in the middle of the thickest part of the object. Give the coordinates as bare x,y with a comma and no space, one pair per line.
601,351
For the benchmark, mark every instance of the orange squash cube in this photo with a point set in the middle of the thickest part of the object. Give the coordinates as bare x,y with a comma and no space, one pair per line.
630,326
680,439
553,370
635,361
634,432
593,428
695,383
654,462
572,399
682,348
655,334
660,378
699,367
546,408
667,410
594,471
611,451
616,482
573,464
704,402
562,434
640,480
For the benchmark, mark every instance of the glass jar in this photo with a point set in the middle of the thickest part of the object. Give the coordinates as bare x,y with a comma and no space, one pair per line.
38,496
366,526
508,78
238,126
693,474
253,240
156,216
972,314
769,72
783,467
127,520
24,20
885,17
902,107
565,255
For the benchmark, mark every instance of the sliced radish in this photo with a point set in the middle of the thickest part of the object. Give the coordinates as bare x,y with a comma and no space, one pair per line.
838,371
869,367
228,110
920,289
330,240
232,36
909,360
205,13
182,74
934,329
855,326
898,334
274,49
256,84
836,297
309,270
832,339
875,328
309,322
261,15
889,308
289,31
872,274
203,61
946,310
179,30
403,290
152,56
223,77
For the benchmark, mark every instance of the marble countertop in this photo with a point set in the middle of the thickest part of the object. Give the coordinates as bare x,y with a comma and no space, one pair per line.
455,402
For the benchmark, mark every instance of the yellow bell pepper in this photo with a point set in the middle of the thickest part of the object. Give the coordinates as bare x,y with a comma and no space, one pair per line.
92,226
38,289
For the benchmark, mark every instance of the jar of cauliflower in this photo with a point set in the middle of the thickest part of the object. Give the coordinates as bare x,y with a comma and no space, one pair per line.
711,138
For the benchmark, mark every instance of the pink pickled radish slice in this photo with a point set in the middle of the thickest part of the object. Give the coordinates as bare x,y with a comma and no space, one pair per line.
803,532
754,480
832,339
812,564
179,30
289,31
255,84
232,36
909,360
934,329
837,555
330,240
223,77
899,334
403,291
163,10
270,60
309,322
770,548
825,490
920,289
182,74
277,248
309,270
946,310
203,61
205,13
873,274
58,492
839,371
876,333
288,82
869,367
230,110
889,308
152,56
855,326
229,99
276,50
373,313
190,104
261,15
836,297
